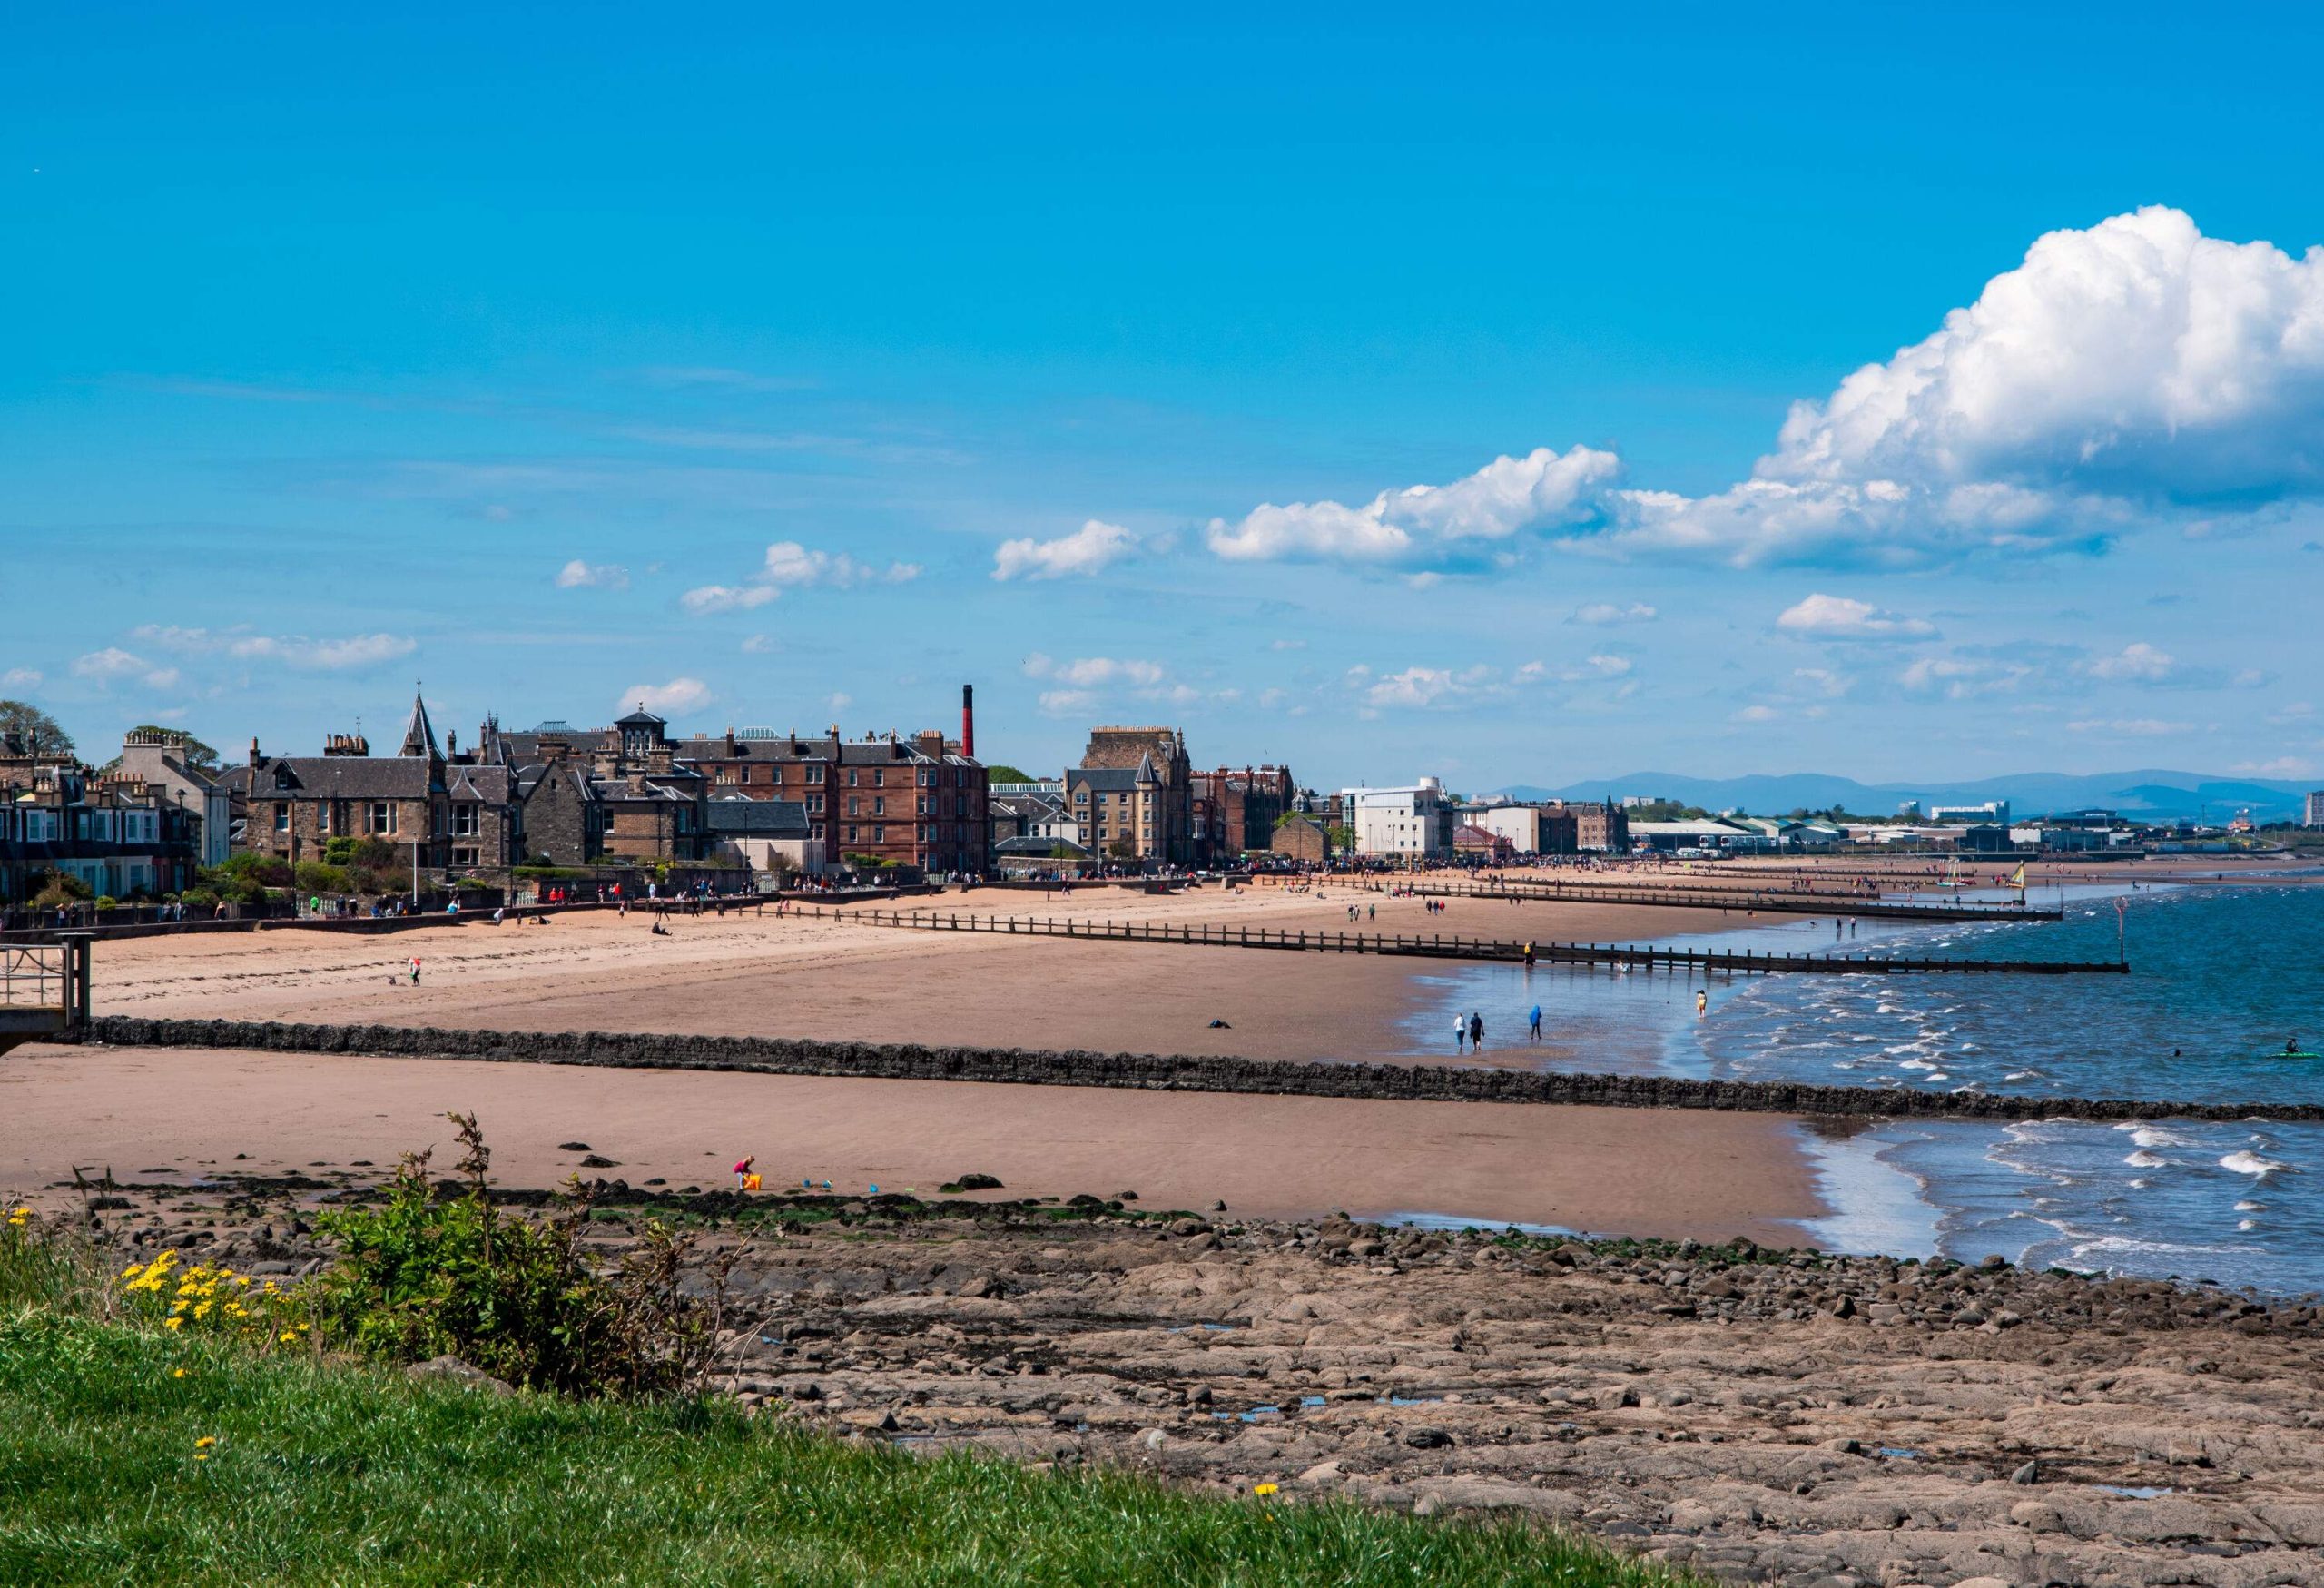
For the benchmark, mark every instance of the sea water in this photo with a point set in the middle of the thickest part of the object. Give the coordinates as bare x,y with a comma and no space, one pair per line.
2222,977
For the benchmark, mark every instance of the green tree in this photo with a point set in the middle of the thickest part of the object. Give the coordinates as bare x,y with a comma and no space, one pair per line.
1004,772
34,726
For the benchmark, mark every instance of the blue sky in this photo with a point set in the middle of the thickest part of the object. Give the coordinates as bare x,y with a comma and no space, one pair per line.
726,356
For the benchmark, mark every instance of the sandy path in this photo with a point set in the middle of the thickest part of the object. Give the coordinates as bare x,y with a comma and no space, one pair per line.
139,1110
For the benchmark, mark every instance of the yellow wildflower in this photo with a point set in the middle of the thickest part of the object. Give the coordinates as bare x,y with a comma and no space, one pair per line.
1266,1489
205,1442
171,1323
177,1373
286,1337
202,1456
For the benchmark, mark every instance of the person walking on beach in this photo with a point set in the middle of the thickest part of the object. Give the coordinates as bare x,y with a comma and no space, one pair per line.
1702,1000
415,970
1534,1022
1459,1035
1476,1034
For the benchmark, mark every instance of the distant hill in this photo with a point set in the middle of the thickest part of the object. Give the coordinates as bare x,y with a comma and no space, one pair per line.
2149,792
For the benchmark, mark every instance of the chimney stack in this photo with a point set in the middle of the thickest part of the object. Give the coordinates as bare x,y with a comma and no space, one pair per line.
968,721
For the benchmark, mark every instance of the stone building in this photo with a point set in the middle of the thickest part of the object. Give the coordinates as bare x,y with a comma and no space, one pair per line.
1301,838
922,801
586,797
1235,813
291,806
1601,826
1133,795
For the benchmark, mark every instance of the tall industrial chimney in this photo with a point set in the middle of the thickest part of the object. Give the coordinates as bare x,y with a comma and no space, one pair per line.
968,721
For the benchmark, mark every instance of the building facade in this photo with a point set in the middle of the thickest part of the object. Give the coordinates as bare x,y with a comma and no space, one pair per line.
289,807
1133,795
1411,822
2312,810
160,758
1235,812
922,801
120,837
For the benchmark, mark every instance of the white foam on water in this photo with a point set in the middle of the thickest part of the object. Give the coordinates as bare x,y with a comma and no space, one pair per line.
2151,1137
1876,1206
2142,1158
2250,1163
2247,1224
2250,1207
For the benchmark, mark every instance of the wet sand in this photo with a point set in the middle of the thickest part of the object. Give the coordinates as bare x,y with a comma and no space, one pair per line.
190,1112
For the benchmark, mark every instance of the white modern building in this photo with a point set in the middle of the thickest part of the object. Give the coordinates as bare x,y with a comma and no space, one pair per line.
1992,814
2312,812
1413,820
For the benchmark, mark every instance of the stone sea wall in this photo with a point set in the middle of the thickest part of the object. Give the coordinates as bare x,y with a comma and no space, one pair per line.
1140,1072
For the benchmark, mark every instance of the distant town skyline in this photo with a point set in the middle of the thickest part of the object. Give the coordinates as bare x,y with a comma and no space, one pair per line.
1309,388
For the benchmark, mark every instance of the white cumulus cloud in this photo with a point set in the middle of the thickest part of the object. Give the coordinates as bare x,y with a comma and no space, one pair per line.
20,678
1822,616
707,599
578,575
1086,672
1542,491
788,565
663,699
2138,662
1091,549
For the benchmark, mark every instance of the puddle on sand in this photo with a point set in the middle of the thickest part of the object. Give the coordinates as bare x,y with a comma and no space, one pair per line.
2132,1494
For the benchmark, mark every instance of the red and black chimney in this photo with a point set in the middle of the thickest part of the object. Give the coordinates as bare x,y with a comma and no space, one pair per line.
968,721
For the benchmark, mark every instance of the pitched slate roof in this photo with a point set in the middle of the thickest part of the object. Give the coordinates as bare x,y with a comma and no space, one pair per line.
333,777
759,818
420,736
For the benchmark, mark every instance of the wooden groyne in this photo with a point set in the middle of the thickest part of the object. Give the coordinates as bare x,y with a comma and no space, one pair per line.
1771,901
1439,946
1151,1072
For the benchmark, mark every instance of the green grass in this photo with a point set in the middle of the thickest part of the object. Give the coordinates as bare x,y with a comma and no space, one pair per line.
324,1473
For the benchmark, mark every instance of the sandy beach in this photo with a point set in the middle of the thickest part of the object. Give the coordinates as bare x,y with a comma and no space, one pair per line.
823,978
190,1112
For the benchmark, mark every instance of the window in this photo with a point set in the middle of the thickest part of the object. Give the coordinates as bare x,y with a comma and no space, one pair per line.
815,803
815,774
463,821
464,856
851,835
854,805
879,804
815,830
879,777
852,775
926,806
282,818
322,817
382,817
1081,796
878,834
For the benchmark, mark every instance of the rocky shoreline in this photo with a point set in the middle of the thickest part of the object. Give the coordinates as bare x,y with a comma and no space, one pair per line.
1147,1072
1762,1416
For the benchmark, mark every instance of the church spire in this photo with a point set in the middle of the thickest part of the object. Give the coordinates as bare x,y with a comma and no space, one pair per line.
419,738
